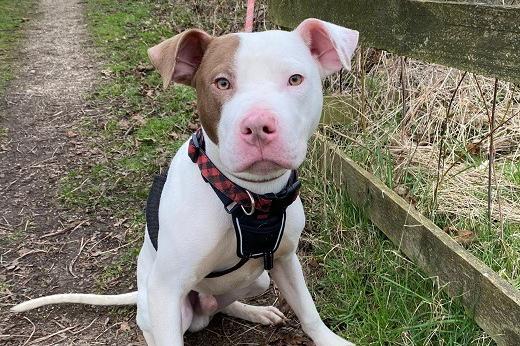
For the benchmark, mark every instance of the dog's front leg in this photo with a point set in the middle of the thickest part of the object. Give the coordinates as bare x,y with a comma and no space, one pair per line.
288,276
167,292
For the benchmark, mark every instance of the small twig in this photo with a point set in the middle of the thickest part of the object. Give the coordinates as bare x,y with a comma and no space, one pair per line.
115,249
499,204
43,338
85,328
482,96
71,264
106,330
444,126
61,231
460,158
79,186
29,253
404,90
32,333
491,155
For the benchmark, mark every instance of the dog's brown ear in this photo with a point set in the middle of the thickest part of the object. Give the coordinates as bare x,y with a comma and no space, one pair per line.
179,57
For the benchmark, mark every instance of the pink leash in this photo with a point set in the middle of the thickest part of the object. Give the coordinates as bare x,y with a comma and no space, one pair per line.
248,27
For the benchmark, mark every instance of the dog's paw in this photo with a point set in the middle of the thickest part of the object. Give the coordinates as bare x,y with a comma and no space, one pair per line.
266,315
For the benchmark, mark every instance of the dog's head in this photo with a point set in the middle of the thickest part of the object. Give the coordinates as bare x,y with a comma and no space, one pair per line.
259,94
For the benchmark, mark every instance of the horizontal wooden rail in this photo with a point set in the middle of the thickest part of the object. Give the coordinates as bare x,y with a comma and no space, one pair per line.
492,301
484,39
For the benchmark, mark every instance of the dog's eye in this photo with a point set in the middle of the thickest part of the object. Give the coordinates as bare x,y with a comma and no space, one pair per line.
222,83
295,79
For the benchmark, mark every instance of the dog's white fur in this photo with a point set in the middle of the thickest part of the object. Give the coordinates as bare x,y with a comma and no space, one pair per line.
196,235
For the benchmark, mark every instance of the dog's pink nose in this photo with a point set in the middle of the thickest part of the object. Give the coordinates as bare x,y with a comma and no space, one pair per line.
259,127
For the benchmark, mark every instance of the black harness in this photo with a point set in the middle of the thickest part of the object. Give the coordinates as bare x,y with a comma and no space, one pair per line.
258,220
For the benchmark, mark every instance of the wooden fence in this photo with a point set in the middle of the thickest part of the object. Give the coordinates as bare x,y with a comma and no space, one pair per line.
483,39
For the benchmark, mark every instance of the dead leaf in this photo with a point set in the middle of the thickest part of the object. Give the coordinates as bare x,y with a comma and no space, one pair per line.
123,124
474,148
193,127
461,236
144,67
401,190
71,134
120,222
137,120
465,237
124,326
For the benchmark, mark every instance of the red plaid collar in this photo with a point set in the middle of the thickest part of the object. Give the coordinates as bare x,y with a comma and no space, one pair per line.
233,194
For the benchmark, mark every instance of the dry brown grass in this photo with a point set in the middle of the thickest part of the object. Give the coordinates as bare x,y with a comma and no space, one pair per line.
425,130
414,139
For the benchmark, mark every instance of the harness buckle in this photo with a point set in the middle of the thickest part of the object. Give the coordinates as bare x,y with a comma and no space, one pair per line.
231,207
195,140
252,210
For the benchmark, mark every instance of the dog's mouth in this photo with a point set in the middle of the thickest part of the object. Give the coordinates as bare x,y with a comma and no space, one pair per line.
264,171
264,166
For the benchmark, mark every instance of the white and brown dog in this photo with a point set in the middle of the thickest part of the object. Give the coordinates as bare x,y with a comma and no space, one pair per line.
259,100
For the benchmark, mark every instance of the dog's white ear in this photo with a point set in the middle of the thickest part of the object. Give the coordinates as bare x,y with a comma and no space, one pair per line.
179,57
331,45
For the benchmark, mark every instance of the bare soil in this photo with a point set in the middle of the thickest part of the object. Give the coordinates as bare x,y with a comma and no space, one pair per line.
46,248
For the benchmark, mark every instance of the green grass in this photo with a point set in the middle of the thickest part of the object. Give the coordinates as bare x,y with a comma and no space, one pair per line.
366,288
363,285
13,15
15,235
4,287
512,171
498,247
143,127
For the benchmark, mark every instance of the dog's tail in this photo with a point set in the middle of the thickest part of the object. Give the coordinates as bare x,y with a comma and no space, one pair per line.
78,298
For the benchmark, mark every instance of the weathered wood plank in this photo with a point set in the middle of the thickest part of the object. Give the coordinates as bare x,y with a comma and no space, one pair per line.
484,39
492,301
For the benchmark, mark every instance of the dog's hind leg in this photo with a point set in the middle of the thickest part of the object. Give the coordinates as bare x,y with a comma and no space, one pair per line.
204,307
145,264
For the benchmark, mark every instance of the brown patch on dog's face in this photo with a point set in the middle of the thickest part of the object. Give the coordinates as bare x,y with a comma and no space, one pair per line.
218,62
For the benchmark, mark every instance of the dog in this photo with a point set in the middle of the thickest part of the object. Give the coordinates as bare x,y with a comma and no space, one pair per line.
259,101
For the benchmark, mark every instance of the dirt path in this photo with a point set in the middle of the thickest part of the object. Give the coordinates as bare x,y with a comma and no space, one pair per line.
45,248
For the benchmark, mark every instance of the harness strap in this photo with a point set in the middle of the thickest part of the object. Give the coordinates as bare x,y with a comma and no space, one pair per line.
259,220
229,192
152,222
229,270
152,208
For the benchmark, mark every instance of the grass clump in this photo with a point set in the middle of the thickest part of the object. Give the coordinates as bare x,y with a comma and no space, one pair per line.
427,138
13,15
365,288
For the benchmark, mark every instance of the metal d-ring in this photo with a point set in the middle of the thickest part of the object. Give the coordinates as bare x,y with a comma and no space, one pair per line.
252,211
